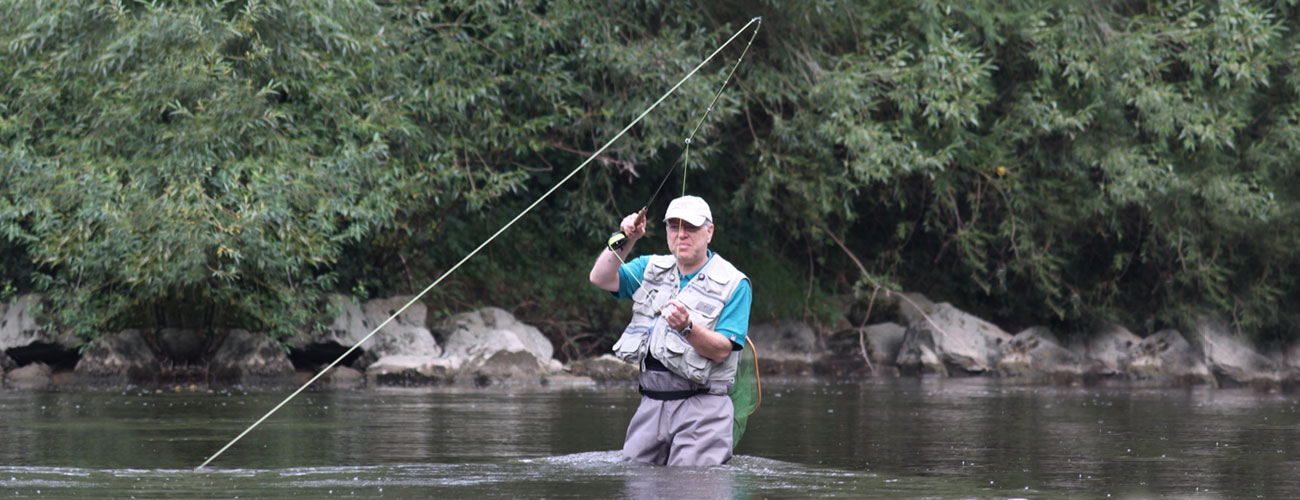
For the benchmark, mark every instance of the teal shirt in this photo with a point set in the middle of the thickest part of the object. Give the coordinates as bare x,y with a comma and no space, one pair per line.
733,322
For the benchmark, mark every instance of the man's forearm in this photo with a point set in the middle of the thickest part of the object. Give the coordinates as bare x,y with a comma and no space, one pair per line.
604,273
709,343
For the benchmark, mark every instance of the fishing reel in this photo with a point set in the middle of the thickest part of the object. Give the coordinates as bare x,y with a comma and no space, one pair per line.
618,240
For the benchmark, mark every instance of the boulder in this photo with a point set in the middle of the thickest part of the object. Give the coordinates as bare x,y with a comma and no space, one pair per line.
342,377
348,327
787,339
1113,349
1287,357
492,344
24,339
35,376
1291,355
506,364
843,356
1229,357
405,335
785,347
244,358
917,356
884,340
18,326
405,370
1036,351
606,368
1166,354
962,344
491,321
123,357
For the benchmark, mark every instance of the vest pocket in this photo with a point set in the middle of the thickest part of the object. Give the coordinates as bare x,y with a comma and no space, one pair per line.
630,345
713,286
691,365
643,302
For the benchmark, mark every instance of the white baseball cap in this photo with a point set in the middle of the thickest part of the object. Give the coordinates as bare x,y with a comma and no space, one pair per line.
691,209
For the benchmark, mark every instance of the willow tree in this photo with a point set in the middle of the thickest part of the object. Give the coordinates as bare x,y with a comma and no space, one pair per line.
196,164
1045,161
224,163
1034,160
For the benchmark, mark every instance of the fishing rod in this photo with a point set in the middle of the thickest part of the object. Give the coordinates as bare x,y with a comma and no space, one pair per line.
755,21
617,240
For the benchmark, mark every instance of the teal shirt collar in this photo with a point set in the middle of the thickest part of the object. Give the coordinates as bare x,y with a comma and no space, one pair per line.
683,280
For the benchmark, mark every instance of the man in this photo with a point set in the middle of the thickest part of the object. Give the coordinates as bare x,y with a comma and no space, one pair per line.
690,315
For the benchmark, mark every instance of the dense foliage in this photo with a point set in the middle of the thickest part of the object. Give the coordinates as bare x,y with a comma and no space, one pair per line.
196,163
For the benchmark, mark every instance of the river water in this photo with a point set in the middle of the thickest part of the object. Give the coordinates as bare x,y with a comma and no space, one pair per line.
927,438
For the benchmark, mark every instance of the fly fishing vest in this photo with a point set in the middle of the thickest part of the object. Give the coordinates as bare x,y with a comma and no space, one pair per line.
687,372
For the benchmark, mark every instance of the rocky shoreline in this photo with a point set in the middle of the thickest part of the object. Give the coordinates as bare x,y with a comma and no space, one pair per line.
490,347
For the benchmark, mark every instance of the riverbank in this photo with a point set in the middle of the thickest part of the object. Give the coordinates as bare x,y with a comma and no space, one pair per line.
490,347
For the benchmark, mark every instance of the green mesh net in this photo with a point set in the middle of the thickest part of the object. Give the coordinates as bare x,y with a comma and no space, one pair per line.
747,393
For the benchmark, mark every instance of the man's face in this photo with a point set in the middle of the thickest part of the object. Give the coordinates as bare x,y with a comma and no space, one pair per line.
690,244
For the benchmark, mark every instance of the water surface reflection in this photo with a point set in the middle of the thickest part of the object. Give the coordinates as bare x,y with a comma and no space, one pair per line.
894,438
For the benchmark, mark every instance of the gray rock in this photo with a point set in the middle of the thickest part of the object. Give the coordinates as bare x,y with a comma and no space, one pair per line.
1168,355
485,324
119,358
35,376
606,368
19,328
347,328
1113,349
1288,357
958,340
494,345
342,377
379,310
247,358
1036,351
916,356
568,381
405,335
785,340
506,364
1230,357
405,370
884,341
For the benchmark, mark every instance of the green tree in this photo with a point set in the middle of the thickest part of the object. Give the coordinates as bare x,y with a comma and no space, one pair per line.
1035,161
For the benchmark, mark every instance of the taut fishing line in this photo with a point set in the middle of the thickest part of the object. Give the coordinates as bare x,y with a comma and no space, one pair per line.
755,21
618,239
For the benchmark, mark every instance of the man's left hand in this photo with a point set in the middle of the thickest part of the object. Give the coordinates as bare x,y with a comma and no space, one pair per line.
677,316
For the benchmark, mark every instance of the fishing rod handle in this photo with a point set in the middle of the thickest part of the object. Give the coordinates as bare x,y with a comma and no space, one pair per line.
619,239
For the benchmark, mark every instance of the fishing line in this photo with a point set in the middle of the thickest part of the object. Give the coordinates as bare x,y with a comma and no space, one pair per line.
758,20
618,239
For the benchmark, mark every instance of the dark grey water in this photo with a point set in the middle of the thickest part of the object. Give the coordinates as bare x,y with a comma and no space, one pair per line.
897,438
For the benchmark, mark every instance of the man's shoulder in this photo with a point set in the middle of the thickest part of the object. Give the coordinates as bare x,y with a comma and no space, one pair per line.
660,261
722,265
